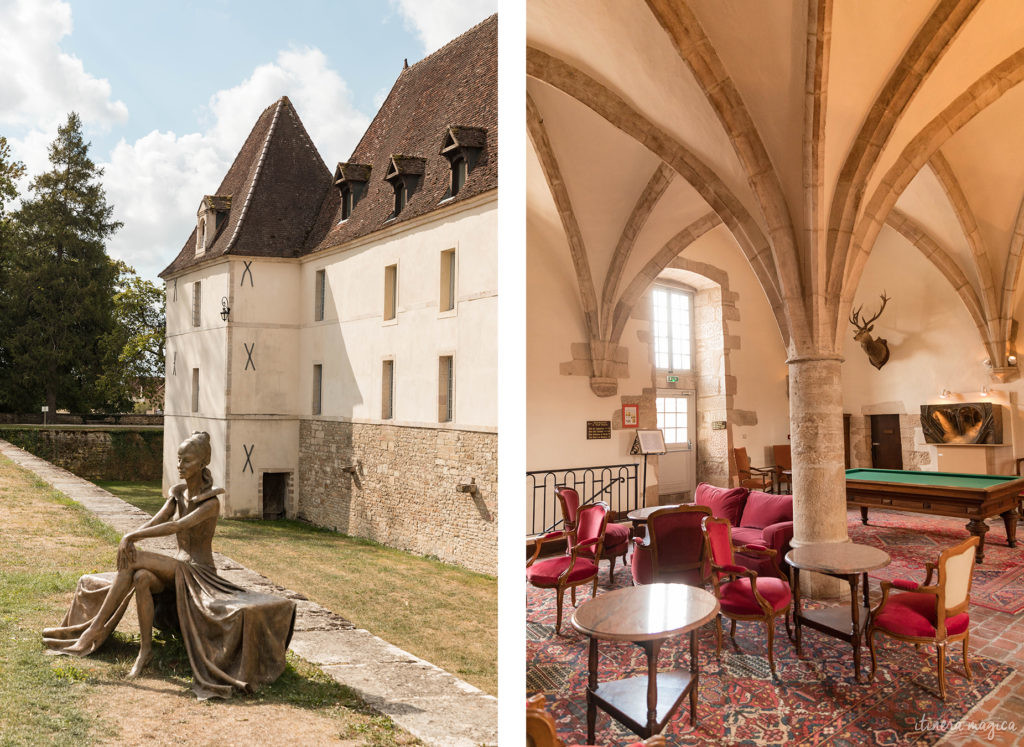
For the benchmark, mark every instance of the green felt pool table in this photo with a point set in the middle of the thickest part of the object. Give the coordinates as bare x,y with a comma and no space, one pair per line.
973,497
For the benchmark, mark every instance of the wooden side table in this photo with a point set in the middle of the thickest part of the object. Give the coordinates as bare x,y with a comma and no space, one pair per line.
840,560
645,615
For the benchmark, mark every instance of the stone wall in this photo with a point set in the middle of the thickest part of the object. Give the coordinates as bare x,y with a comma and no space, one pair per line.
95,453
397,485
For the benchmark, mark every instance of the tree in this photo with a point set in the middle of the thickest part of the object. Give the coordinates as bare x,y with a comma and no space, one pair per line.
10,172
134,348
58,301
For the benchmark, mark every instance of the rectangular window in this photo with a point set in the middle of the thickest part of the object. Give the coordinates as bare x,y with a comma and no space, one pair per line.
175,289
671,325
195,390
318,382
445,388
390,291
197,299
674,419
321,289
447,280
387,390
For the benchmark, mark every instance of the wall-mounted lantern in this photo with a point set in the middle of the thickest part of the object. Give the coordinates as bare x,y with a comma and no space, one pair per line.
225,311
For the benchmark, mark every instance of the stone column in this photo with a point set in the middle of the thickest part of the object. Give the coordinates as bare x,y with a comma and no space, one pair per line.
819,479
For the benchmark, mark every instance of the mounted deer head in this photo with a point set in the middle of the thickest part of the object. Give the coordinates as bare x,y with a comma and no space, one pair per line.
876,348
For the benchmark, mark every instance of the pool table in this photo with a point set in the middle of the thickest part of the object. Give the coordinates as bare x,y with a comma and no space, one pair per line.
974,497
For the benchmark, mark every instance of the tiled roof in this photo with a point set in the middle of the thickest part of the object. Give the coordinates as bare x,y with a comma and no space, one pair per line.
281,195
273,192
455,87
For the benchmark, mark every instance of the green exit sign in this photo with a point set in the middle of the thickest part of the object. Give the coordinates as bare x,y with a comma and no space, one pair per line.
672,379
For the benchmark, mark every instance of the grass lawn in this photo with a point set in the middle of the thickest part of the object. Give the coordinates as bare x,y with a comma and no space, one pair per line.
46,542
441,613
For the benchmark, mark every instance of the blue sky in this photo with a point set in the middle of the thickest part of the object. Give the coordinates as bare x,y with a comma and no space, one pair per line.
168,91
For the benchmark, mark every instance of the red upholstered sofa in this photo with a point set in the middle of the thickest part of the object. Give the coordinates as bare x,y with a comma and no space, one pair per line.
757,518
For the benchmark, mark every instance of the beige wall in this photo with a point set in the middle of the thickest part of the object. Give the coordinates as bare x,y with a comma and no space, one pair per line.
933,343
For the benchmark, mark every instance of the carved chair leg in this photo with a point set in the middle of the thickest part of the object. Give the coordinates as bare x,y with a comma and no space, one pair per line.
611,572
967,664
732,630
718,635
789,631
941,651
770,623
871,650
572,595
558,610
593,592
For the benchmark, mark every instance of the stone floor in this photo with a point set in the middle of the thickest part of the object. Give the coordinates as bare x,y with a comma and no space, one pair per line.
423,699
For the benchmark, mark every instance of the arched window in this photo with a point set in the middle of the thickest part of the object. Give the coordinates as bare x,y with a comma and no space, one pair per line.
346,202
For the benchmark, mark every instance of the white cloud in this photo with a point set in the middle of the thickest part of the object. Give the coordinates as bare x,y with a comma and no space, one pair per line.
437,22
155,183
48,83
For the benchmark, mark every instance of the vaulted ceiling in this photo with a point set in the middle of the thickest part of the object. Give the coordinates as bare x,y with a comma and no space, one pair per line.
805,130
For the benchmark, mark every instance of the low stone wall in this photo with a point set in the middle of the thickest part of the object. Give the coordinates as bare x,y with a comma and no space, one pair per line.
63,418
95,453
397,485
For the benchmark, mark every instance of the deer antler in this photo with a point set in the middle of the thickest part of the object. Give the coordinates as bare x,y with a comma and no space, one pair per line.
866,326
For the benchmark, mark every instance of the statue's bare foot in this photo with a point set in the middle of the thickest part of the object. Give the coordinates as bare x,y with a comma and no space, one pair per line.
83,647
140,663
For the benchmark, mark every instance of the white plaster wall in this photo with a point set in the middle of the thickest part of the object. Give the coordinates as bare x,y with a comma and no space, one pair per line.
558,407
203,347
275,448
354,338
933,343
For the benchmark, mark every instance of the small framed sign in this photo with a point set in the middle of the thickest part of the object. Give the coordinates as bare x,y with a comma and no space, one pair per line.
599,429
631,416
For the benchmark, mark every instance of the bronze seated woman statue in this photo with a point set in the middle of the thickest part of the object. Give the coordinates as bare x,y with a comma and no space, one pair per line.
235,639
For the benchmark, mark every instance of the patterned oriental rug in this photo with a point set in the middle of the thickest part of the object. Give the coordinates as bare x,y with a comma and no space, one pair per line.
816,699
912,539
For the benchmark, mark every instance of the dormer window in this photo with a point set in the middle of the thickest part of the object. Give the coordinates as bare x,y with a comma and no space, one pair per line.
210,219
461,146
405,173
351,179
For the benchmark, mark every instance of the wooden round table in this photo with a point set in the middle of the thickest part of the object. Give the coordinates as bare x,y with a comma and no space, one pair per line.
840,560
645,615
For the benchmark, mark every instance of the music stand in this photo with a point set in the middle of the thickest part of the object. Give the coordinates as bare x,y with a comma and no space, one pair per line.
648,442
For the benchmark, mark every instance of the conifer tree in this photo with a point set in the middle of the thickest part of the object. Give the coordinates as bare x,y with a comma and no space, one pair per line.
10,172
59,301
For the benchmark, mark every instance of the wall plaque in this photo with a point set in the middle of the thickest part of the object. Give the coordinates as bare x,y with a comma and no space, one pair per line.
718,425
599,429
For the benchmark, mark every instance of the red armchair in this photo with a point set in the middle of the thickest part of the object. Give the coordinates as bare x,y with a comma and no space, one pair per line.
616,536
572,569
741,593
674,550
757,518
930,614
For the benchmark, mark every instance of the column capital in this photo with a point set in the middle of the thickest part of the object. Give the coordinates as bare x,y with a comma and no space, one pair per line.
814,357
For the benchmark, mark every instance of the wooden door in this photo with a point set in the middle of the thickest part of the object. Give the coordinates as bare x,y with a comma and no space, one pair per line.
886,446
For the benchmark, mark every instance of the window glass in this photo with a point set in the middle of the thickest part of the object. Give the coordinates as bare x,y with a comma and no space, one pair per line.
318,303
445,388
318,380
447,280
673,419
387,390
671,328
197,300
390,291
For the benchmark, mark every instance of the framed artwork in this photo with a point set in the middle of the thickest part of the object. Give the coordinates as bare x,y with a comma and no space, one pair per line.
630,416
